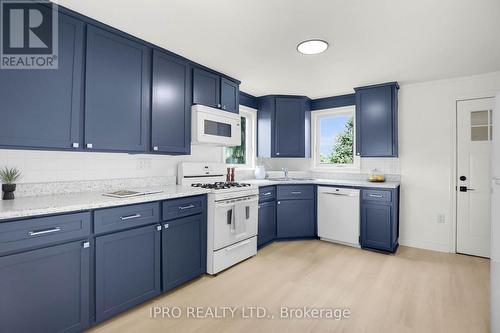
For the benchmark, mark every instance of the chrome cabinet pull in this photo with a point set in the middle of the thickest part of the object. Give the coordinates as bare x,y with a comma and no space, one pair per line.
186,207
89,145
376,195
267,193
130,217
166,226
43,232
296,192
86,245
75,145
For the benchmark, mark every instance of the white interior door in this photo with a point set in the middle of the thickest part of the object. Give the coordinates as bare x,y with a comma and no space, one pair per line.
474,135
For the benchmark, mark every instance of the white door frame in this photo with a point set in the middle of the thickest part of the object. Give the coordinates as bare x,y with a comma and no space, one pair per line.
454,159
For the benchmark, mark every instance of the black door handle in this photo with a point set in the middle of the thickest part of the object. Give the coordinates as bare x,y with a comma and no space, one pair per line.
466,189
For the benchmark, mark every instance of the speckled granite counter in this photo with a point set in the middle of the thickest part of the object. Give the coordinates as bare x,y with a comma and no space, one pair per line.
338,182
63,203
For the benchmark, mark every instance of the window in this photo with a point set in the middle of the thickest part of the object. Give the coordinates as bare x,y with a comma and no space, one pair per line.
334,139
243,156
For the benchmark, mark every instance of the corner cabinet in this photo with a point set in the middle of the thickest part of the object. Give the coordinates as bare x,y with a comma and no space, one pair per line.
284,127
171,106
380,219
117,92
43,109
213,90
376,120
295,212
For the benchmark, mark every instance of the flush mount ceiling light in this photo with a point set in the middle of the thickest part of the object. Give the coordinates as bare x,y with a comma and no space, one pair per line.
312,46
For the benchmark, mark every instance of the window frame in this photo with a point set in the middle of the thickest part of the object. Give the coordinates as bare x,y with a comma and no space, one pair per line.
251,142
316,118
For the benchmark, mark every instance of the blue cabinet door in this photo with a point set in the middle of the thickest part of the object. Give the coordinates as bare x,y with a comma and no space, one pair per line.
171,107
45,290
206,88
376,226
289,127
267,223
184,250
230,96
43,108
117,92
127,270
376,121
295,218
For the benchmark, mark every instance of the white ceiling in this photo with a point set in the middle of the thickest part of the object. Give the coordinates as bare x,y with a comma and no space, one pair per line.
371,41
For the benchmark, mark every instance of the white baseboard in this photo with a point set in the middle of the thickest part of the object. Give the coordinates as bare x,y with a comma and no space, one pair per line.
426,245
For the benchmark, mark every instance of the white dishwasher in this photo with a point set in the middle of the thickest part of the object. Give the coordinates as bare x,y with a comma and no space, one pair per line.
338,215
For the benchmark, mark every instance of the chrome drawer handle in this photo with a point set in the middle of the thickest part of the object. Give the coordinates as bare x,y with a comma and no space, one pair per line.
267,193
186,207
130,217
376,195
44,232
296,192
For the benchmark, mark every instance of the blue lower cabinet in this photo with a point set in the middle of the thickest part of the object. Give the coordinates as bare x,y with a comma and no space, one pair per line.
183,250
267,223
295,219
45,290
127,269
380,219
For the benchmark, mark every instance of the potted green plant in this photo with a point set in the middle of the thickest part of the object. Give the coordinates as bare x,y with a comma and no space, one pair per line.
8,176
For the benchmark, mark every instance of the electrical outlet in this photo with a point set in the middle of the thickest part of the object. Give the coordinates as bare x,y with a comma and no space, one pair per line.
144,163
441,218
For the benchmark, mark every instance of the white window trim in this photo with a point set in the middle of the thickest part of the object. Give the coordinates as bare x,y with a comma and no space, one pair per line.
251,128
316,117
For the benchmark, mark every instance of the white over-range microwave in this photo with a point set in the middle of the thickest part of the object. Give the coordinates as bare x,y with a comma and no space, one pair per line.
214,127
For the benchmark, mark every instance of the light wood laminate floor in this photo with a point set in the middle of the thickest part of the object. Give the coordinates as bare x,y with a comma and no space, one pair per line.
412,291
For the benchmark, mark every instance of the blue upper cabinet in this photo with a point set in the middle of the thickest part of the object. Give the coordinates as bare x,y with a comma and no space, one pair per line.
376,120
42,108
171,105
117,92
229,95
206,88
213,90
283,127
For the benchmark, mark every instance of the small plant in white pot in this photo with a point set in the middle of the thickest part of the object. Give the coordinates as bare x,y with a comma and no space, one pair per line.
8,176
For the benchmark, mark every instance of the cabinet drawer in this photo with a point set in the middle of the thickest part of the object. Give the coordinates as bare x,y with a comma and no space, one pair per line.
183,207
377,195
112,219
38,232
267,193
288,192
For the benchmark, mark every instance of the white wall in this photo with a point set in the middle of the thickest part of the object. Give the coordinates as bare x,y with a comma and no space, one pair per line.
50,166
426,145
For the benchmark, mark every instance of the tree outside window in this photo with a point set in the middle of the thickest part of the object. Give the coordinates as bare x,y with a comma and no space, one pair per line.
237,155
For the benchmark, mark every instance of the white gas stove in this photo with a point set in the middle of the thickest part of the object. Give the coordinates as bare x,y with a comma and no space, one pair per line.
232,210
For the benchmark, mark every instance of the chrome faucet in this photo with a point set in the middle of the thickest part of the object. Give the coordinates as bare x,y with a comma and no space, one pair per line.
285,170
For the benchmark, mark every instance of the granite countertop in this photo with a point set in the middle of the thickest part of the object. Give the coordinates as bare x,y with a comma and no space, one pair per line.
339,182
64,203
